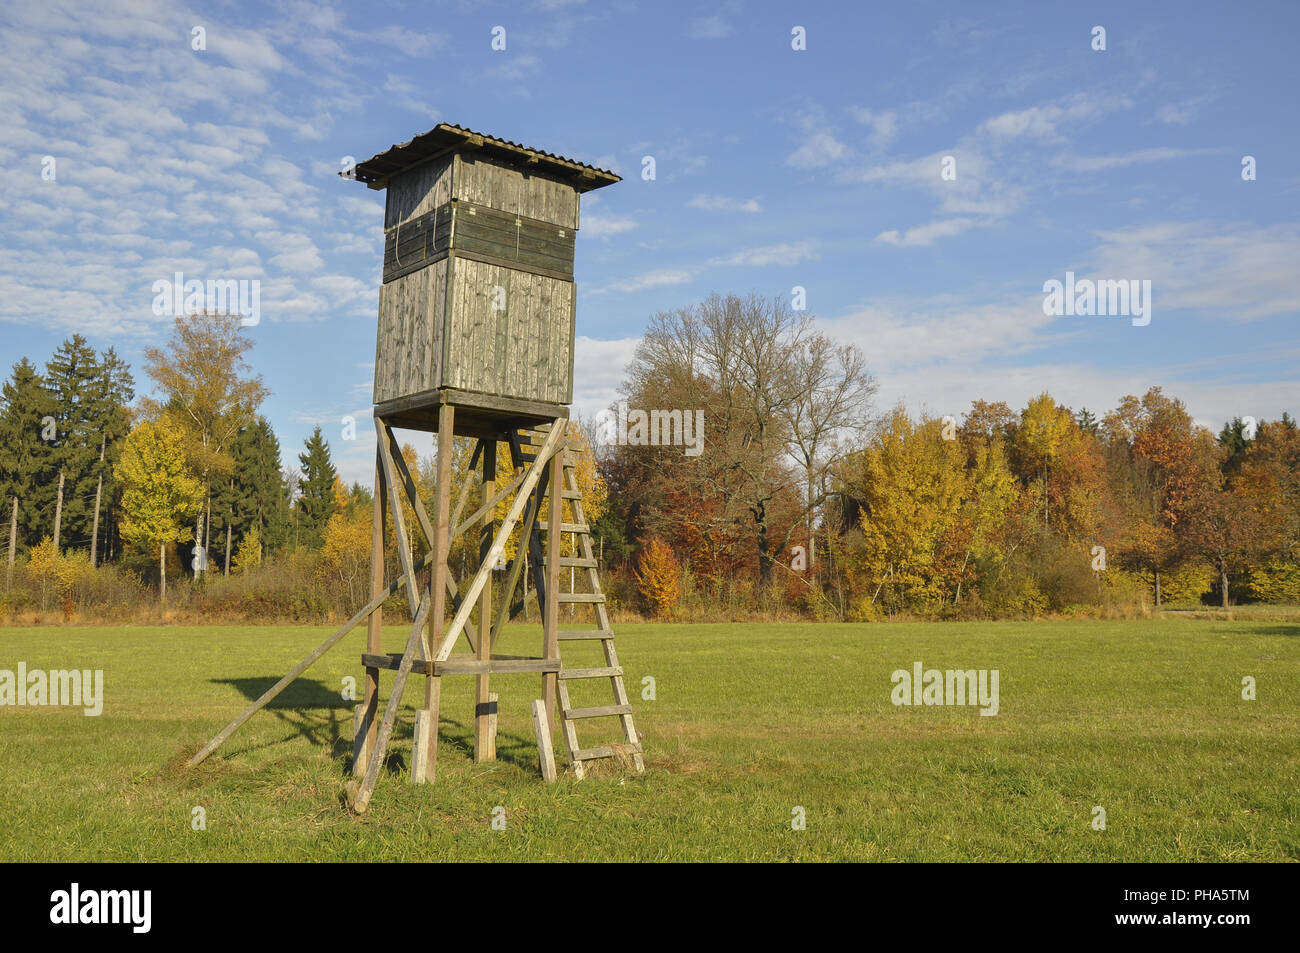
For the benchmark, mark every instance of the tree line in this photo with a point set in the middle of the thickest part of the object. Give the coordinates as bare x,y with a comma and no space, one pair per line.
805,498
195,471
806,494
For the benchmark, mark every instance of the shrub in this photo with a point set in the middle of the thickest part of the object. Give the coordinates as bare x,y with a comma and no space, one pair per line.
660,577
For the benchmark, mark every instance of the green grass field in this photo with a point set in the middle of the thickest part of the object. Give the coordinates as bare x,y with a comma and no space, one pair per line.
1144,718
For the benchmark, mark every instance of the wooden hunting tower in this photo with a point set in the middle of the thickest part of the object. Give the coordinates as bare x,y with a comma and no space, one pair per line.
476,331
478,294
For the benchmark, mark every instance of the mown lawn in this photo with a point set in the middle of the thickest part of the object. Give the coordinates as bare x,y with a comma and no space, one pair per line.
1144,718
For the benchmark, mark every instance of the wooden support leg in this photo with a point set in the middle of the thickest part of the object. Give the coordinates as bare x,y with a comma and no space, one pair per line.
420,750
368,724
551,620
360,794
441,544
545,751
485,742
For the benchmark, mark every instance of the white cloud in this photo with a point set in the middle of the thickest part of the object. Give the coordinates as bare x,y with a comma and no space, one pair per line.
786,253
1234,271
1077,163
603,226
650,279
1182,113
599,368
884,125
708,28
926,234
819,148
1044,123
720,203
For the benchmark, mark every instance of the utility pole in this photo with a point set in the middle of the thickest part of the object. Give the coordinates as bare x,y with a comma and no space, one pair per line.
58,513
13,543
99,492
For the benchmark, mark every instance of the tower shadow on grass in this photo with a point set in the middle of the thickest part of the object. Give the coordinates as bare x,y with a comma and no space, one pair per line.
319,714
315,712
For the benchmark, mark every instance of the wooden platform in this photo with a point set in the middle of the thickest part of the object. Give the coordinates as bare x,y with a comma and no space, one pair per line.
464,664
477,415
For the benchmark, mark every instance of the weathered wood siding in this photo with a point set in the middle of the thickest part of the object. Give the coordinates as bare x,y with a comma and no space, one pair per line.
525,243
486,182
417,192
438,326
408,356
523,350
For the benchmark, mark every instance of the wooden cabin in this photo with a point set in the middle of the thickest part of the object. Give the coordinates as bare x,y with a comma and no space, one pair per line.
478,296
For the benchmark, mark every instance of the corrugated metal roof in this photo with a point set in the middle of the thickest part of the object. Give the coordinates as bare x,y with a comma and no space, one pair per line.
446,138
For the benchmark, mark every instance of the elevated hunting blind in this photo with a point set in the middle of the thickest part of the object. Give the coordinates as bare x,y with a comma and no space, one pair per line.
476,332
478,293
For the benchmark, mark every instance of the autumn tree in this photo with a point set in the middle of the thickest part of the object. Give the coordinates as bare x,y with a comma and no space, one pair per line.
736,359
159,493
829,410
1151,448
345,552
208,394
1272,464
912,484
659,577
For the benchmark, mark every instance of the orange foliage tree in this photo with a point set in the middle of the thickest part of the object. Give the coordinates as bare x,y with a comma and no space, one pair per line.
659,577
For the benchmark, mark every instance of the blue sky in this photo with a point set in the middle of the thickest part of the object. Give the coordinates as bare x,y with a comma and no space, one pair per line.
774,168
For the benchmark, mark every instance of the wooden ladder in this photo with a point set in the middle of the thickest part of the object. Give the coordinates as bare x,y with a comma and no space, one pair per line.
630,746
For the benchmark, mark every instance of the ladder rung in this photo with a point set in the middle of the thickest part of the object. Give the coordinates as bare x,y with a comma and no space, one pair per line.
571,494
574,528
567,597
599,711
578,561
577,635
604,751
592,673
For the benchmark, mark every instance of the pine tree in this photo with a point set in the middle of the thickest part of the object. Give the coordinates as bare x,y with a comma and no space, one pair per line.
260,499
24,403
1236,439
1087,420
70,379
112,391
316,501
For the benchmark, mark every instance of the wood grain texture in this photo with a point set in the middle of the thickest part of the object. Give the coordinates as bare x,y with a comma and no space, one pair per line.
545,751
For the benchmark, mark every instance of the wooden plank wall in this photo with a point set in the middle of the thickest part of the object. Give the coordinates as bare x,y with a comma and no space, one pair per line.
485,182
523,351
408,355
417,192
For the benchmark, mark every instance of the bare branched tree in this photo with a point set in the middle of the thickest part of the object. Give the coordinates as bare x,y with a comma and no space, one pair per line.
209,394
777,397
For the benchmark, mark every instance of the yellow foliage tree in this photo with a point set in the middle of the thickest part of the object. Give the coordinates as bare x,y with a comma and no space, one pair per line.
659,577
55,571
913,484
159,494
249,554
1040,438
345,553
